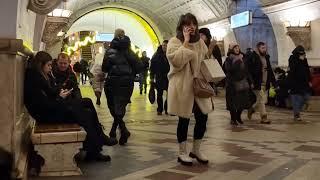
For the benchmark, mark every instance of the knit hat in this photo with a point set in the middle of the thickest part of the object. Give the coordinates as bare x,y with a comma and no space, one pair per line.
233,45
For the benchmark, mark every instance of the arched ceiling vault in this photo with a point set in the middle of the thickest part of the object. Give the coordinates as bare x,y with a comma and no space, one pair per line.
161,15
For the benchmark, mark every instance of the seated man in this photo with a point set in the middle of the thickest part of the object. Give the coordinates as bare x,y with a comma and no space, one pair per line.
48,103
65,78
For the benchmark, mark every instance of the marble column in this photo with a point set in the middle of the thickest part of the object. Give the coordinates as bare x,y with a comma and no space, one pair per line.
15,126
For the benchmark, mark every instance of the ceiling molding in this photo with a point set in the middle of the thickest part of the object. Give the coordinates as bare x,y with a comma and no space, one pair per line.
43,6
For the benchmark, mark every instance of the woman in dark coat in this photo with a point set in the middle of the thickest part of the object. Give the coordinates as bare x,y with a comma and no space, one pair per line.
121,65
46,104
237,84
299,78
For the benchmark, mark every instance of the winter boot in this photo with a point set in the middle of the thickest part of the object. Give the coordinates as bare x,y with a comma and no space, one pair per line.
183,157
195,153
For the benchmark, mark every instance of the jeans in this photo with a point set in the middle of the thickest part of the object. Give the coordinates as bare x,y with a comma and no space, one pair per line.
298,101
143,82
199,129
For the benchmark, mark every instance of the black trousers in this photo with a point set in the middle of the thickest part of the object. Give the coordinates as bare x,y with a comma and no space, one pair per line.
117,100
235,115
199,128
161,107
83,113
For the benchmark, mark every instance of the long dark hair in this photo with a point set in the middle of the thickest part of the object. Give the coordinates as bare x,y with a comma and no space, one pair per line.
185,20
40,59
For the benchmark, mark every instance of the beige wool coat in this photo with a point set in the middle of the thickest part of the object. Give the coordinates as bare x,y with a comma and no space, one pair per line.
184,66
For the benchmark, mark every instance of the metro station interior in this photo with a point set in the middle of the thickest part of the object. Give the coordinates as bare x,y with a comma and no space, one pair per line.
279,140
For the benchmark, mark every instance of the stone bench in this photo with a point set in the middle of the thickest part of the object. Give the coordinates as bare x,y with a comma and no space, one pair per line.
58,144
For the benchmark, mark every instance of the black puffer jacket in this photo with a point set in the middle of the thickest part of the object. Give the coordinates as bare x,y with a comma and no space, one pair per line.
121,64
159,69
299,73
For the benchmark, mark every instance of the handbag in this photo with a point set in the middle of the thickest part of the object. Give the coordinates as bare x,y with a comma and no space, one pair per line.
201,87
212,71
152,93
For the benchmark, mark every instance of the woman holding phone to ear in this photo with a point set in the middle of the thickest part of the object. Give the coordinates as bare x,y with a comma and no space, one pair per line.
185,53
45,103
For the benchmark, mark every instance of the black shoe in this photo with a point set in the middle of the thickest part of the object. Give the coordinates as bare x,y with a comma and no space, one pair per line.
109,141
159,113
166,113
234,123
140,92
98,102
97,157
124,137
239,121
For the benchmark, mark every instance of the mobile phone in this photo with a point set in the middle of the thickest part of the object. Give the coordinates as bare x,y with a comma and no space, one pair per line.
70,90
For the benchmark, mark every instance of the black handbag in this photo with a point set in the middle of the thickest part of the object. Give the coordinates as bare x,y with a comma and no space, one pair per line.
152,93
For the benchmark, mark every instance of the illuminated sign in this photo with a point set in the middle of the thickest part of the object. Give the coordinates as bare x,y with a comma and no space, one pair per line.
104,37
241,19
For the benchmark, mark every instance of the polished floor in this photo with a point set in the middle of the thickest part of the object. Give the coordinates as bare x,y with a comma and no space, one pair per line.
283,150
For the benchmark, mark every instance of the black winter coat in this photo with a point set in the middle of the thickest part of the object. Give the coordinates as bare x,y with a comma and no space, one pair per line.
254,65
67,80
159,69
146,63
42,99
235,72
299,75
121,65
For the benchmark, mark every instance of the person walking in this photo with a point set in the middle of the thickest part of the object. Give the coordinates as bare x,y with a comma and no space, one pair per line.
237,84
159,70
299,78
121,65
144,74
260,70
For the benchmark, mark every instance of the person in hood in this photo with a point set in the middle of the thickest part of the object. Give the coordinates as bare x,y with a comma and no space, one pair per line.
159,70
121,65
299,78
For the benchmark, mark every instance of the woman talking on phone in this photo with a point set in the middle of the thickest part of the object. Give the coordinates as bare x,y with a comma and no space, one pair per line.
45,103
185,53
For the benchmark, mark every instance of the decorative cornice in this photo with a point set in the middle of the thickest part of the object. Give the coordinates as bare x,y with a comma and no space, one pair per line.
43,6
14,46
300,36
53,26
286,5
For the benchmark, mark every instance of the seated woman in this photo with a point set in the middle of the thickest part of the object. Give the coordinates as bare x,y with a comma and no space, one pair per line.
46,104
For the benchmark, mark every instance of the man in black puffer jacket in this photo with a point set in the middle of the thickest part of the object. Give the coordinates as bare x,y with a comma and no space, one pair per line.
299,79
121,65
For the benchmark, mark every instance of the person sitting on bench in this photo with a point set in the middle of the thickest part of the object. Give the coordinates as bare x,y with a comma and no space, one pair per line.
46,104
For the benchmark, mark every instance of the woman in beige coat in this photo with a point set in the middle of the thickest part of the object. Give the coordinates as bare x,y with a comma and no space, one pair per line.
185,53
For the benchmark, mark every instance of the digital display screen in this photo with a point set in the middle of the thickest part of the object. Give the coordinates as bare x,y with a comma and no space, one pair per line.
104,37
241,19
